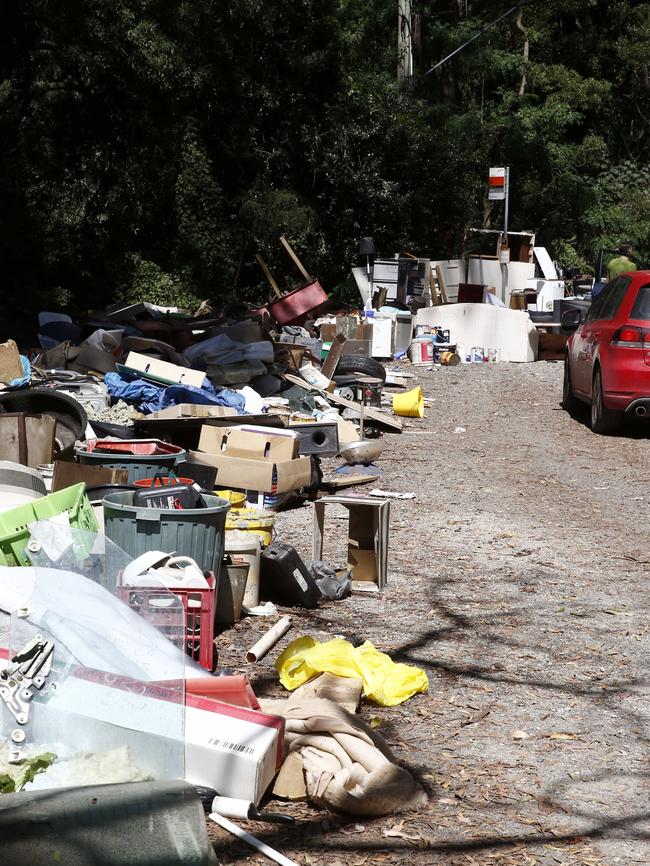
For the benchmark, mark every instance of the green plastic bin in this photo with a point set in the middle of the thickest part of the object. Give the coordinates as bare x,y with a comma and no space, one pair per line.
14,532
195,532
136,465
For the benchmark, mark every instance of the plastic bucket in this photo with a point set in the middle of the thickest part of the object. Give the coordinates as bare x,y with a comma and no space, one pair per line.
236,498
98,492
420,351
138,466
195,532
410,404
247,545
258,521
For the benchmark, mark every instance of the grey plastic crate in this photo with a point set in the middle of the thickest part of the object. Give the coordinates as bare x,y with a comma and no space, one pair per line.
195,532
137,466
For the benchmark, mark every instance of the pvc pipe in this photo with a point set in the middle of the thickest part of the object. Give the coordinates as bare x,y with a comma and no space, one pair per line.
231,807
262,847
269,640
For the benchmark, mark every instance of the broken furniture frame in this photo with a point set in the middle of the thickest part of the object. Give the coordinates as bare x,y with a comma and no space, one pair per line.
368,528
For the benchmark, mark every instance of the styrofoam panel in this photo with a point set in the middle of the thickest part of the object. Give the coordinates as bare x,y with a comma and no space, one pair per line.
488,273
510,331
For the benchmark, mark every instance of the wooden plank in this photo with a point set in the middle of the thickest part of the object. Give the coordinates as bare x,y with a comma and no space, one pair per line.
66,474
441,285
394,425
285,243
344,481
379,297
269,276
336,350
435,300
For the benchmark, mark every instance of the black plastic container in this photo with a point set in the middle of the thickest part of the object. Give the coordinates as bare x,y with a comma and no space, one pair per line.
97,492
284,577
168,496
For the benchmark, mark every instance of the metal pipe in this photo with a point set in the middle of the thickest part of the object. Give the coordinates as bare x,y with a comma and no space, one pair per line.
641,411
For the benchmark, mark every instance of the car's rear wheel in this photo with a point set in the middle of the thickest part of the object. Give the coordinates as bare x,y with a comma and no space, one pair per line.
603,420
569,401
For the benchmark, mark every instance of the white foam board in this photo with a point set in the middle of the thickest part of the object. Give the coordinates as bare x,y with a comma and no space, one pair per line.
510,331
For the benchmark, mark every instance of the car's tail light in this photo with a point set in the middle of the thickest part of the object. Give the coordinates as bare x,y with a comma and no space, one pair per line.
631,337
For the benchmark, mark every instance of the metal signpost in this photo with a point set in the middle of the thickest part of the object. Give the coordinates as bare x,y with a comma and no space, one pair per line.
499,190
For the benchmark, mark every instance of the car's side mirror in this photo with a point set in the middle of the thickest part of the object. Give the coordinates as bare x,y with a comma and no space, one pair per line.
571,319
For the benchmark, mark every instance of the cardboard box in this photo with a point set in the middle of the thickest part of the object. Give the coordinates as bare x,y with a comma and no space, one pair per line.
10,364
235,750
260,459
162,372
250,440
368,528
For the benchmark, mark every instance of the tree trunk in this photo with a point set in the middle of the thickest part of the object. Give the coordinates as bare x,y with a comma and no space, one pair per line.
520,26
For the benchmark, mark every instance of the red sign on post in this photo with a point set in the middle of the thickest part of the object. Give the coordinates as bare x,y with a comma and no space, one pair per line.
497,180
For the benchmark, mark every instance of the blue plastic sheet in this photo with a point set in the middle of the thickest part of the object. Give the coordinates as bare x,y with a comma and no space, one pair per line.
152,398
25,379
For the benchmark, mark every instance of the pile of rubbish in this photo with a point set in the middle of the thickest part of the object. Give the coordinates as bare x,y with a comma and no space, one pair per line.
145,456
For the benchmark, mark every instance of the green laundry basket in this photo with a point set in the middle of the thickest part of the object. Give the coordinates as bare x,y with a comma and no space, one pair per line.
195,532
137,465
14,524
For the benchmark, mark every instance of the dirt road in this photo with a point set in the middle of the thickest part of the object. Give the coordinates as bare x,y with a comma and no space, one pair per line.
518,581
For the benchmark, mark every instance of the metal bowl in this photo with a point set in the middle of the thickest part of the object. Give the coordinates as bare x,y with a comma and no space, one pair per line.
364,451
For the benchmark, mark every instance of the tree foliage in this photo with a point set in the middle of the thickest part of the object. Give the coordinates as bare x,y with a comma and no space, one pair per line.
153,148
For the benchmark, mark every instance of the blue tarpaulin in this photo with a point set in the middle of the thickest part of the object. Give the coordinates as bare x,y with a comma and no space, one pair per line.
152,398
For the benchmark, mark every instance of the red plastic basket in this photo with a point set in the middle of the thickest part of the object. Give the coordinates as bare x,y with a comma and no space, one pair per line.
199,606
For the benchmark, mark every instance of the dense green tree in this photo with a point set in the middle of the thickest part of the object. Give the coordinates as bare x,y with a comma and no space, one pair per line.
151,148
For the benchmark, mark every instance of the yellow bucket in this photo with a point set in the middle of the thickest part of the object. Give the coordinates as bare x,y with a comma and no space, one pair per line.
235,497
409,404
258,521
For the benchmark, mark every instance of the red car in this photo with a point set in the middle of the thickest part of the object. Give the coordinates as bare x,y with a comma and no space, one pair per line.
607,362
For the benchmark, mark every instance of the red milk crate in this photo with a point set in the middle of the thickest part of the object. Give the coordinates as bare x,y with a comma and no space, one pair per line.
199,606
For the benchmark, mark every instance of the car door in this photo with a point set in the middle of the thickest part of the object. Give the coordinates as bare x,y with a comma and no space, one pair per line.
583,340
598,329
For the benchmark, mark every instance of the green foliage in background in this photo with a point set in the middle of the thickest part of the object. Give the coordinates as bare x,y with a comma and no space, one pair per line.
150,149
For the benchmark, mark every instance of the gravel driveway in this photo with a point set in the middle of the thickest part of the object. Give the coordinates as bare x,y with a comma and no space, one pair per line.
518,581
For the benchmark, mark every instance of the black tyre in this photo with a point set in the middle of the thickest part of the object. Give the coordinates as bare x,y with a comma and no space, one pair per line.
361,364
569,401
603,420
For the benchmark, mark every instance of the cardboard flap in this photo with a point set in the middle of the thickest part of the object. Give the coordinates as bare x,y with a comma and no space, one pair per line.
213,439
163,371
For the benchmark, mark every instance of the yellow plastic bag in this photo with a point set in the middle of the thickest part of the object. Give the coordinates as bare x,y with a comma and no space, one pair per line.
384,681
